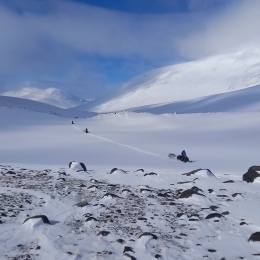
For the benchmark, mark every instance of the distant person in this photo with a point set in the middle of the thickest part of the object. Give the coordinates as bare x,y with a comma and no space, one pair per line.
72,122
183,157
183,153
86,130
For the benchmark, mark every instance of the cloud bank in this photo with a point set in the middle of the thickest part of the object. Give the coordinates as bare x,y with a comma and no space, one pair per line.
65,42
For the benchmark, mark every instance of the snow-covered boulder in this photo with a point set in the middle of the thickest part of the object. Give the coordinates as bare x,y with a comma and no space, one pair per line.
77,166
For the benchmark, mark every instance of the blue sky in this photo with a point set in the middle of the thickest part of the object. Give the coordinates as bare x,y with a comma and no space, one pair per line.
90,47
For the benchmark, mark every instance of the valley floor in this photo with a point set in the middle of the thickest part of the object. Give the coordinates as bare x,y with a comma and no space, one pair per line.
140,209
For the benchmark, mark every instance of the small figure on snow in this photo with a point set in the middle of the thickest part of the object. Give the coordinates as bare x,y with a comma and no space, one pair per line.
72,122
183,157
183,153
86,130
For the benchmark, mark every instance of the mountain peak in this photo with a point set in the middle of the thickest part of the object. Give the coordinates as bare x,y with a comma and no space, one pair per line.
52,96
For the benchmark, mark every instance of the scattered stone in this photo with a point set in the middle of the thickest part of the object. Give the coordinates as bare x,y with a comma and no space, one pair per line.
130,256
121,241
188,193
214,215
90,219
128,249
235,194
148,234
229,181
81,204
141,170
251,174
184,182
225,213
151,173
103,233
43,217
255,237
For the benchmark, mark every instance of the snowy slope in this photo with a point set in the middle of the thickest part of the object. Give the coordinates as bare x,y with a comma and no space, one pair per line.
245,100
200,78
41,107
131,203
52,96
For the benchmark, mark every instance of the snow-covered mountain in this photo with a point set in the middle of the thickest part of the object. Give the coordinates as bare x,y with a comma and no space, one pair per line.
244,100
52,96
195,79
36,106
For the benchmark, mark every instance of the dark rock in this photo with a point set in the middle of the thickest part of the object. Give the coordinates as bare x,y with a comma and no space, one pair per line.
128,249
210,190
148,234
188,193
10,172
90,218
83,166
130,256
212,250
151,173
184,182
243,223
43,217
229,181
82,204
121,241
235,194
141,218
225,213
111,195
157,256
195,171
82,185
255,237
162,195
251,174
214,215
141,170
213,208
113,170
192,172
103,233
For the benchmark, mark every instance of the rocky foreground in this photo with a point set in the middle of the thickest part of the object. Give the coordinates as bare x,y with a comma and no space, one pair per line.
73,213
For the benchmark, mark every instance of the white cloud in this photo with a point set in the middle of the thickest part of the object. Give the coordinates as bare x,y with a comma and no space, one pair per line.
43,41
236,27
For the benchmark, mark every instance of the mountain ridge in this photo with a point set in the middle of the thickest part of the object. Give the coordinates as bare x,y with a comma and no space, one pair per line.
212,75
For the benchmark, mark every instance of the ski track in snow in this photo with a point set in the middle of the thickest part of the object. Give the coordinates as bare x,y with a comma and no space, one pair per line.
120,144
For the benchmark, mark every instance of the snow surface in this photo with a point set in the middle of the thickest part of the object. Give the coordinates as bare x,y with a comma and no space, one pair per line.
134,202
209,76
52,96
131,190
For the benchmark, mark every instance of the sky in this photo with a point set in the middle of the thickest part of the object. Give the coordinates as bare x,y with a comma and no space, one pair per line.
90,47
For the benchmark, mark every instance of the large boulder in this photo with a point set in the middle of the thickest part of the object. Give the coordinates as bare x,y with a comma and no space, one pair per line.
77,166
251,174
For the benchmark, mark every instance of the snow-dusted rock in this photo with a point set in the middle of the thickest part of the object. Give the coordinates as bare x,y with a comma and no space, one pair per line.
77,166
